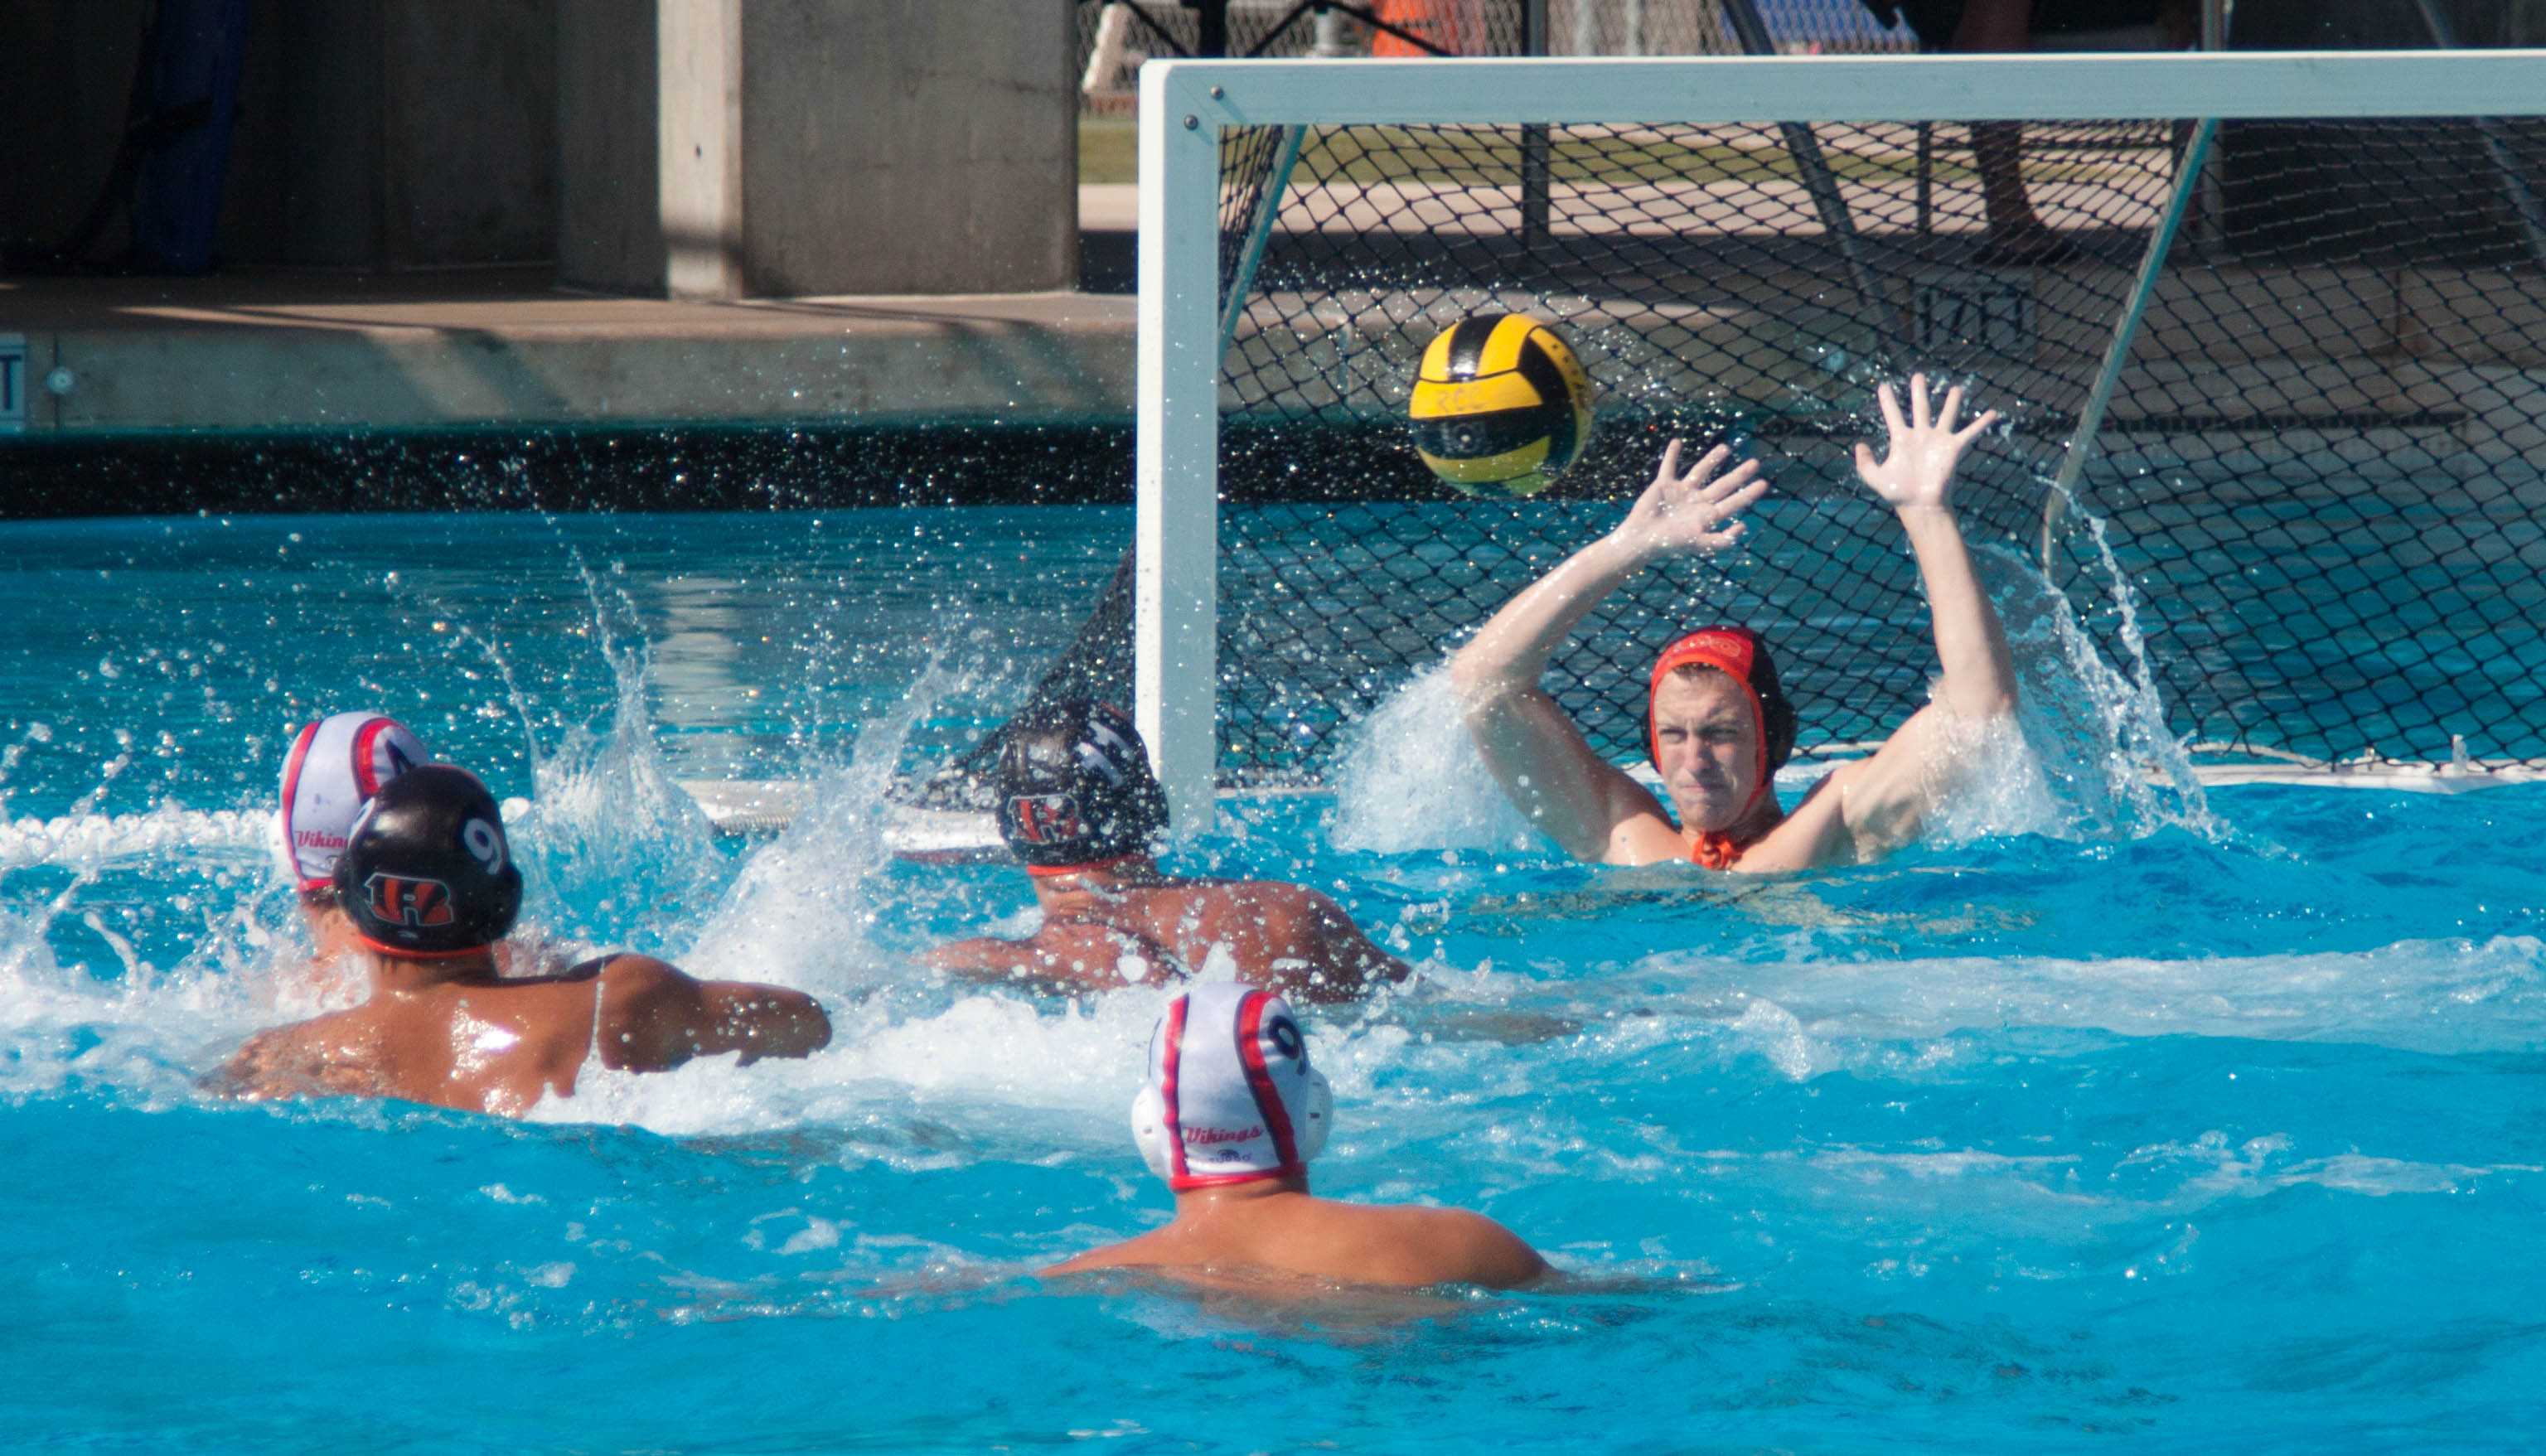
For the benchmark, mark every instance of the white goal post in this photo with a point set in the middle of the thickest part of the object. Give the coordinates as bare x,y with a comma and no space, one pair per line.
1185,104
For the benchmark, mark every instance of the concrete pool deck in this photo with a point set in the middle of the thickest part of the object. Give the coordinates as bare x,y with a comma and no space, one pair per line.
304,351
285,351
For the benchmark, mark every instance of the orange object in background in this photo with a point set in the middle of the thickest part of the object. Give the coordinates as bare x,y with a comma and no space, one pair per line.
1456,26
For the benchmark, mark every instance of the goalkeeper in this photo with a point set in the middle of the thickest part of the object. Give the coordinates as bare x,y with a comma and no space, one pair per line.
1717,724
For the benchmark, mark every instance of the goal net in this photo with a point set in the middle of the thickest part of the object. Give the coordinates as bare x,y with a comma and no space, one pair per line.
2270,332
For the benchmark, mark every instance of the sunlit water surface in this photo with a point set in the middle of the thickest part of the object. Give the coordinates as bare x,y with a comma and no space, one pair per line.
2114,1118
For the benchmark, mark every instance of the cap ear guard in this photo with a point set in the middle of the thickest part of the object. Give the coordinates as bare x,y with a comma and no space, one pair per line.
1778,720
1149,1131
1315,1117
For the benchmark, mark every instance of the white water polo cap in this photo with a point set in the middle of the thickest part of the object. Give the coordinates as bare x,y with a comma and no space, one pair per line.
335,766
1230,1096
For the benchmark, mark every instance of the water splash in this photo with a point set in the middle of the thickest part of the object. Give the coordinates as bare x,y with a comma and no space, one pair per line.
800,910
936,1090
615,843
612,834
2096,758
72,840
36,732
1410,776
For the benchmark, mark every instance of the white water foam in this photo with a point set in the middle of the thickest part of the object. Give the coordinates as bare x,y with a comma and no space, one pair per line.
74,841
1410,776
937,1088
2258,1166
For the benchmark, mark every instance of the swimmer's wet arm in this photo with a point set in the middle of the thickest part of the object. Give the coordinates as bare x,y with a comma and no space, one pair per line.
656,1017
1342,962
1884,801
1917,477
1678,513
1342,948
1979,672
1540,760
765,1020
1066,956
1511,653
980,959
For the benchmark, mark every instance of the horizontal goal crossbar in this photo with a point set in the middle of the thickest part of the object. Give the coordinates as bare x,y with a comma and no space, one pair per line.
1961,88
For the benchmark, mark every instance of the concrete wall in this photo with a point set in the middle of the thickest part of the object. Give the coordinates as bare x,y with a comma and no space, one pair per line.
789,147
304,183
396,134
608,120
467,98
909,146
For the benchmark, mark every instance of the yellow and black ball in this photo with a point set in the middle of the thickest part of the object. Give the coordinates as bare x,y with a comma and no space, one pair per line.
1500,407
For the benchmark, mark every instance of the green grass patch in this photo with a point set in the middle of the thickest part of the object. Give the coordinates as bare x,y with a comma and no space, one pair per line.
1109,150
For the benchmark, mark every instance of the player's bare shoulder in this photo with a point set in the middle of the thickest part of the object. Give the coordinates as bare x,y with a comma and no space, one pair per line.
1453,1245
1280,904
632,978
331,1055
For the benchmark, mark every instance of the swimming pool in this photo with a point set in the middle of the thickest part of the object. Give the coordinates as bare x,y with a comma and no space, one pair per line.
2207,1123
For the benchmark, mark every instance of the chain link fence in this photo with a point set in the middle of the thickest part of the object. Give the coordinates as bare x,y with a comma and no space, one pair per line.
1115,36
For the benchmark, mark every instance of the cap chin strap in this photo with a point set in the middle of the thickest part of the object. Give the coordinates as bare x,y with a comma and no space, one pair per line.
1716,850
1047,872
410,953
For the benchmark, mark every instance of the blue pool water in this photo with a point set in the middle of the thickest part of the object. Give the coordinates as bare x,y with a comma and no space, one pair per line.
2115,1119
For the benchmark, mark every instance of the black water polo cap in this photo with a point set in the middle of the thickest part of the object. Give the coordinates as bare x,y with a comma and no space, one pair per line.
1074,787
427,870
